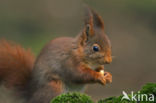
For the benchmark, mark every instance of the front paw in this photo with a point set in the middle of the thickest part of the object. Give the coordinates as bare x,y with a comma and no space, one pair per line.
108,77
104,78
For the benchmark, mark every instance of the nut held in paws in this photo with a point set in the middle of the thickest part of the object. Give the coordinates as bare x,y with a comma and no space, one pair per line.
102,71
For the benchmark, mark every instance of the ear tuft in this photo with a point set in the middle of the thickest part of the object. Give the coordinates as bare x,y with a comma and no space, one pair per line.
92,21
93,18
97,20
88,16
89,28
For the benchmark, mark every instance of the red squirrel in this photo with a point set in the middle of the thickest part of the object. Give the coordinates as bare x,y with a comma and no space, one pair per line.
65,64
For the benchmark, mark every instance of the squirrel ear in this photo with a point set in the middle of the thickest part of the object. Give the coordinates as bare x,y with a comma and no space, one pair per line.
89,23
92,21
97,20
89,30
86,34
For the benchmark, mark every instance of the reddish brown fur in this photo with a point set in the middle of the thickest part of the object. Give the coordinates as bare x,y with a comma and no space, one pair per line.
16,64
64,65
57,85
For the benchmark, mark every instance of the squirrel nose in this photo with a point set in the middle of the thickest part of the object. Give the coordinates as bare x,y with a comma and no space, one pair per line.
108,60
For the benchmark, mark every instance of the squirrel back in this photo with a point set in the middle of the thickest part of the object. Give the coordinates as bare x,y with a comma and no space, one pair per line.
16,65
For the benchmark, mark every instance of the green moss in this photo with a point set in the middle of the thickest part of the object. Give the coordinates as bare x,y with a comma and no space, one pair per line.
72,98
148,89
114,100
109,100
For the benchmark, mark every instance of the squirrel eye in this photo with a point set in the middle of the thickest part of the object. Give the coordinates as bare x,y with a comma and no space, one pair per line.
96,48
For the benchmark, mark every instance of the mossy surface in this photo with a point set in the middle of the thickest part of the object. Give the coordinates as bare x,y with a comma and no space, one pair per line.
115,100
72,98
148,89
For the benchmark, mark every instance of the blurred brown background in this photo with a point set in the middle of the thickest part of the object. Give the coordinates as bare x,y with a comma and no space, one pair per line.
130,24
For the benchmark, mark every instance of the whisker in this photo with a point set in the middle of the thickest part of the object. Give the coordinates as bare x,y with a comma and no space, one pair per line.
113,56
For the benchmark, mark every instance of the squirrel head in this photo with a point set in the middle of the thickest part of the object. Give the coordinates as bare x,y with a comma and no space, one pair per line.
94,43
